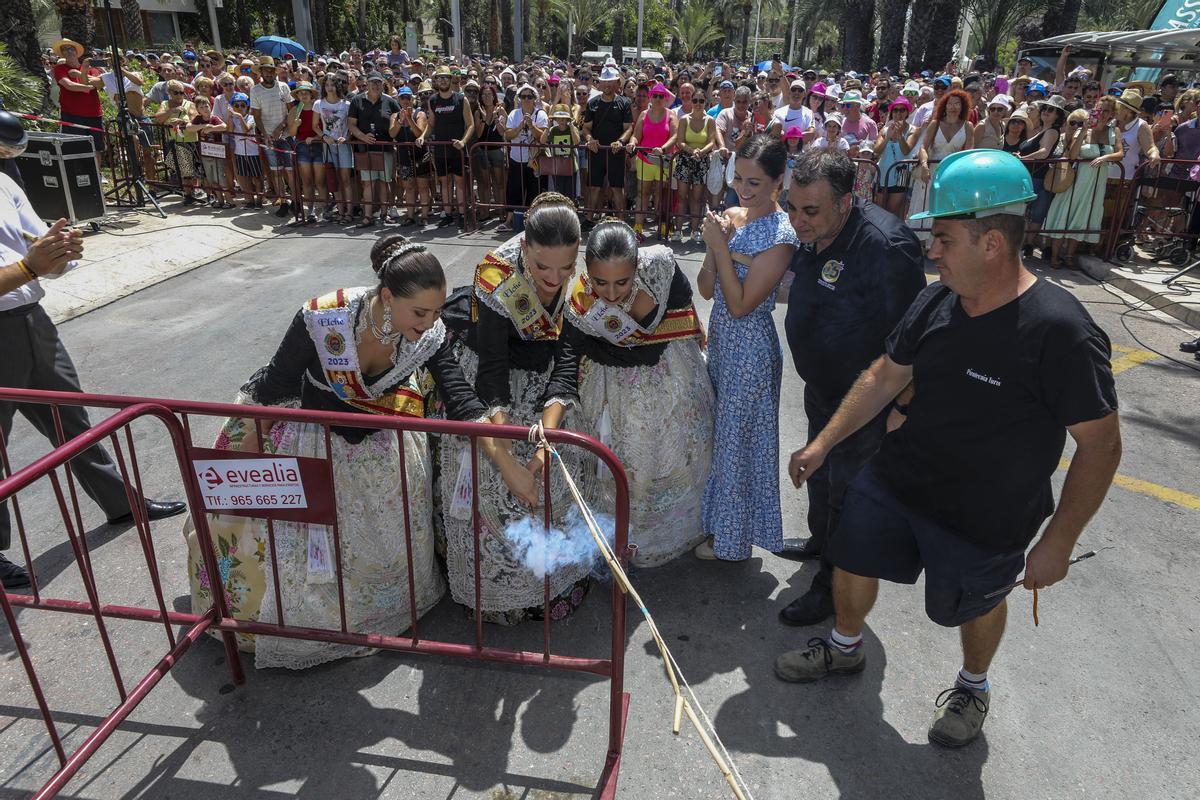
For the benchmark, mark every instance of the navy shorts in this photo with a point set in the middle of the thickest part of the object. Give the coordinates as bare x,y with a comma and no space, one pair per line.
880,537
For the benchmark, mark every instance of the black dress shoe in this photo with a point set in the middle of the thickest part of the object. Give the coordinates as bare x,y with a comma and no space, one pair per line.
811,608
155,509
13,575
1190,347
800,549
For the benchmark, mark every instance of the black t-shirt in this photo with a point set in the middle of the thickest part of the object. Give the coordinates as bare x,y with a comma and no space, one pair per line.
608,117
994,396
379,114
448,122
845,300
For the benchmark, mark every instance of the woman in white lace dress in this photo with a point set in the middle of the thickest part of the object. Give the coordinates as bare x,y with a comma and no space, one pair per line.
371,350
947,132
506,326
643,385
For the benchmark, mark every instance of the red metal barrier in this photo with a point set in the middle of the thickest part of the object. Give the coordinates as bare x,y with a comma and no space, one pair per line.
175,416
1156,213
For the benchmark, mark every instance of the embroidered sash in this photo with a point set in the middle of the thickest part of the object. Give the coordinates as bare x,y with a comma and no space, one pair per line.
331,327
502,286
597,317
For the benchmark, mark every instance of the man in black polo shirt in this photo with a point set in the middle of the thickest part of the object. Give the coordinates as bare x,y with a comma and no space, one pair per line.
857,272
1005,365
453,122
370,121
607,123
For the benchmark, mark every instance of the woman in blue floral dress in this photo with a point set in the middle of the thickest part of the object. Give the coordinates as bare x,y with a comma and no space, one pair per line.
748,252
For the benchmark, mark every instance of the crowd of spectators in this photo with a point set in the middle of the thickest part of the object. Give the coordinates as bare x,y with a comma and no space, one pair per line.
379,137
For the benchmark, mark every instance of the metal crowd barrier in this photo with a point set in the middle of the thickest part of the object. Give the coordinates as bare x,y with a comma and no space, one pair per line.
1158,215
900,172
176,418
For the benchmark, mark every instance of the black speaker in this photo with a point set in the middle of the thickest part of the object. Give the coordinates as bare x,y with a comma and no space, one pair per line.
61,177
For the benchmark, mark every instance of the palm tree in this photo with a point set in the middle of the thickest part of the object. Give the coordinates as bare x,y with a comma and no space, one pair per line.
585,15
78,23
857,18
891,32
918,34
618,32
19,38
694,29
992,21
943,33
747,7
131,14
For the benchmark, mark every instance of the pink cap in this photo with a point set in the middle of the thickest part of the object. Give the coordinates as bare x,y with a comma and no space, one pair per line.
793,132
901,102
658,88
553,79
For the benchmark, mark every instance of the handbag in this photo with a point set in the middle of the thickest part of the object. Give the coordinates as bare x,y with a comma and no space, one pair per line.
716,174
1059,177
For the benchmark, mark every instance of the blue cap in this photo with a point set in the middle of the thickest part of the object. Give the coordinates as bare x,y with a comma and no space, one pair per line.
925,73
188,55
942,80
404,90
1036,86
725,85
239,97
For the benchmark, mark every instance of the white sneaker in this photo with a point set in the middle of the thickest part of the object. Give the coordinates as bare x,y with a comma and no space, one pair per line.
393,214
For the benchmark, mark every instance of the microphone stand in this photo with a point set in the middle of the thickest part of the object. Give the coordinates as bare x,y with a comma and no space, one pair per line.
127,127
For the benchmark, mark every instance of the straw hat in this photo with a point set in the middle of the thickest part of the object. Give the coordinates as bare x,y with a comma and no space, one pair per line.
560,111
1021,113
61,43
1131,98
1145,88
266,61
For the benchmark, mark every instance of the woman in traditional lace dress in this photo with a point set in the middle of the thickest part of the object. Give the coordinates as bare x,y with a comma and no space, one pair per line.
637,345
506,327
749,250
370,350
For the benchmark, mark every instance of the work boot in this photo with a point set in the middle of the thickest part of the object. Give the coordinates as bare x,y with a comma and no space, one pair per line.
959,717
818,660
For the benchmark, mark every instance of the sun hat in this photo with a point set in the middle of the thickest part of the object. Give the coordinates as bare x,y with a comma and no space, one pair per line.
426,86
553,80
560,111
836,119
1020,114
900,102
854,96
658,88
911,87
610,74
1001,100
1131,98
305,86
817,90
793,132
471,84
61,43
1055,101
442,72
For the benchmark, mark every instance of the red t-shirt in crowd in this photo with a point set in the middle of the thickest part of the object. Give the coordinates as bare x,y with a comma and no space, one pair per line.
81,104
305,129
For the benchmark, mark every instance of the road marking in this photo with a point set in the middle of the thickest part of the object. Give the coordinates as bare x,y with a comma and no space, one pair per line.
1130,358
1164,493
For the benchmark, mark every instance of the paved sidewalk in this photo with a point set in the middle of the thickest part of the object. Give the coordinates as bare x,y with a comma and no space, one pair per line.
1143,279
137,249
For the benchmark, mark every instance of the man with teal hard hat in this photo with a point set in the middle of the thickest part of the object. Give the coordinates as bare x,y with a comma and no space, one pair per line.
1005,365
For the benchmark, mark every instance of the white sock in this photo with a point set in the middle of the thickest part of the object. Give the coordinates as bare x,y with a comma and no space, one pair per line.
844,643
972,680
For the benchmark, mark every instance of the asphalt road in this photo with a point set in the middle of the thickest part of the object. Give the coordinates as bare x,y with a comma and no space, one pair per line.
1097,702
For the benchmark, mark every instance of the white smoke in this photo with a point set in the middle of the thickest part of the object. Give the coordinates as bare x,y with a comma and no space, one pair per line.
543,552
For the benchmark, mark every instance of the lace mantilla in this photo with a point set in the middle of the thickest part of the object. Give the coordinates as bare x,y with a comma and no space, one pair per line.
655,271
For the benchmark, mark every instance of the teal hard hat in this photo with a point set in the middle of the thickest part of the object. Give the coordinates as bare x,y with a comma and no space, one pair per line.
972,181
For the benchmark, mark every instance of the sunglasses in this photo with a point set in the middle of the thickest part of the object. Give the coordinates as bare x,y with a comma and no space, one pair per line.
1075,124
797,90
849,105
176,94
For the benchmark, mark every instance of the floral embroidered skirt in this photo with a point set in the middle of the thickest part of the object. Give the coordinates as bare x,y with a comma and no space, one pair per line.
374,557
659,421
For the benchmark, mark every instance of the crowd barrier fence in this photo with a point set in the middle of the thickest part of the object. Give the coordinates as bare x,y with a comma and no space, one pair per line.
177,418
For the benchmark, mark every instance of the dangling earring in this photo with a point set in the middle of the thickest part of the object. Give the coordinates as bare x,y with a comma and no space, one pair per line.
387,317
775,196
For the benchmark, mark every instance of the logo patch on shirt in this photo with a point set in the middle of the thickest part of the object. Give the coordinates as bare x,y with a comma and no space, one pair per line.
979,376
830,273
